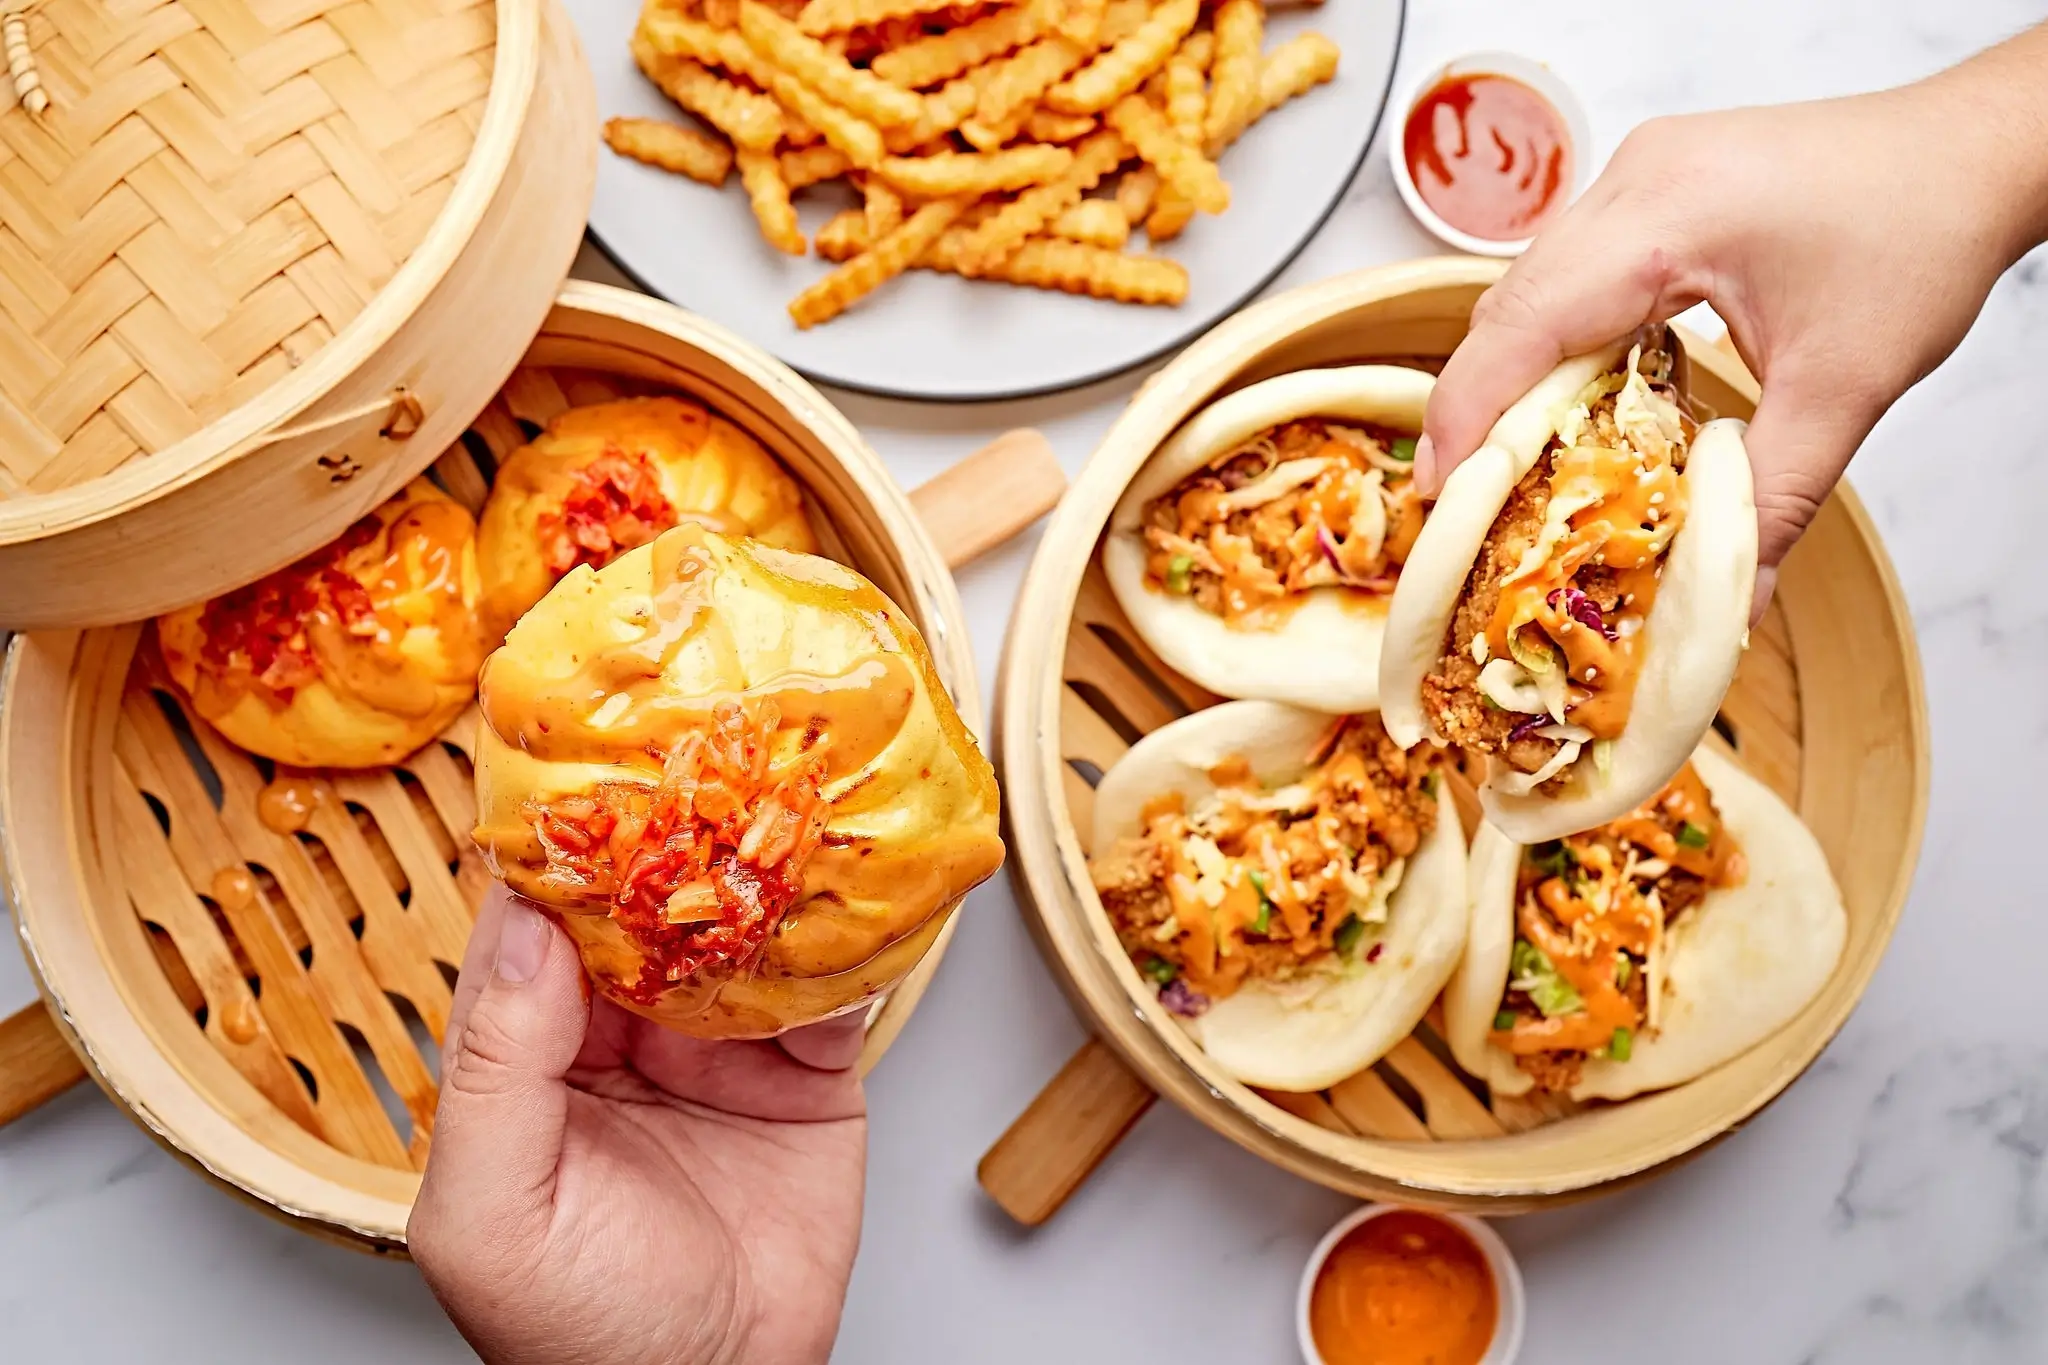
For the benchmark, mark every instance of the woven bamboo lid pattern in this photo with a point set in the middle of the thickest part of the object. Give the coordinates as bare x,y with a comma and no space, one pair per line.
216,188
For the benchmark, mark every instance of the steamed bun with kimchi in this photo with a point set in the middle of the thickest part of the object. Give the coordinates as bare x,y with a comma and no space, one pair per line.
733,775
1256,551
352,657
607,477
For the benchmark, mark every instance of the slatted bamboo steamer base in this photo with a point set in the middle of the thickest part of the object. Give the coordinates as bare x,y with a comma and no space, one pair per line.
267,1005
1827,709
259,264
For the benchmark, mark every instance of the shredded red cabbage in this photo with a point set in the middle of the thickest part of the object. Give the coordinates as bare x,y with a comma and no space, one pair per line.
1181,1000
1582,609
1527,729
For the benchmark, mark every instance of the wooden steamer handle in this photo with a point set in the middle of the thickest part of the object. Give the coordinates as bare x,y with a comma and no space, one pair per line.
36,1064
1057,1142
977,504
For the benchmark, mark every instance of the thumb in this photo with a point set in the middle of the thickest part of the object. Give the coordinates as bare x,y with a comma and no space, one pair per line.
504,1104
1799,442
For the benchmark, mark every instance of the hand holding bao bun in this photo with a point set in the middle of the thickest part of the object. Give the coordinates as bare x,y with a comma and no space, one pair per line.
1579,597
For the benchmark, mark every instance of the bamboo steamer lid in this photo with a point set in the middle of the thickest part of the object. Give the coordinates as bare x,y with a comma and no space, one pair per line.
259,264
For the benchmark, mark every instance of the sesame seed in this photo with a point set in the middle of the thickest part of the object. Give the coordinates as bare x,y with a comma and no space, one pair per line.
1591,672
1656,498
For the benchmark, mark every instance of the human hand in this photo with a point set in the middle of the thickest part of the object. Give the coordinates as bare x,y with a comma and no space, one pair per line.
1848,244
600,1189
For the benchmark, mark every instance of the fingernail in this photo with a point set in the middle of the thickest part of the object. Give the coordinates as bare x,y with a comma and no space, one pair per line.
1425,463
522,944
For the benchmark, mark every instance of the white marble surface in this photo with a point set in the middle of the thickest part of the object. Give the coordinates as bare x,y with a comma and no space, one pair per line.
1893,1207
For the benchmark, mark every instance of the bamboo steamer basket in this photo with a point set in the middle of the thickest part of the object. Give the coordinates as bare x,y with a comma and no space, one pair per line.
1828,709
268,1007
258,266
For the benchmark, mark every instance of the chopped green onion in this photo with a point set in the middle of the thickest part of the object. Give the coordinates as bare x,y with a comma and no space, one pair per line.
1624,970
1693,836
1429,781
1525,960
1553,859
1348,933
1533,973
1404,449
1621,1045
1503,1021
1265,919
1178,570
1160,970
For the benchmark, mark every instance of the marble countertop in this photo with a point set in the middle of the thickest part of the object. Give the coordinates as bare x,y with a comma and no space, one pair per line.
1893,1206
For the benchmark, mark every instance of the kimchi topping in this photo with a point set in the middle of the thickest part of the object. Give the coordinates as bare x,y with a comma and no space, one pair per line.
614,504
699,868
1546,645
341,615
1308,504
1266,883
1591,911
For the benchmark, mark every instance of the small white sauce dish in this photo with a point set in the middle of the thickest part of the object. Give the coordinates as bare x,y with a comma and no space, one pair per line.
1537,77
1507,1279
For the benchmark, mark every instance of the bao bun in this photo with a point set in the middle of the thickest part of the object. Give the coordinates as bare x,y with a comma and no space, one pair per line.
1694,634
1316,1036
1737,968
1325,652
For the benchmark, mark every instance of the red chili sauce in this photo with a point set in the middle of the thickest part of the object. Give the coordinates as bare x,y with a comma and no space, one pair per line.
1489,155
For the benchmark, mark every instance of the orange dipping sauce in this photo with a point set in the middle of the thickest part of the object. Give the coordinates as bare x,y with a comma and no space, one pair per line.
1404,1288
1489,155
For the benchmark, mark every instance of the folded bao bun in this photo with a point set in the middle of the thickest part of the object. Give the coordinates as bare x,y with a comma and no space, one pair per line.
1324,653
1302,1040
1694,634
733,775
1737,967
635,467
352,657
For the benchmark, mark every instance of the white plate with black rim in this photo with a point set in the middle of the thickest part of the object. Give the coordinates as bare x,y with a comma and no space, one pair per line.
932,336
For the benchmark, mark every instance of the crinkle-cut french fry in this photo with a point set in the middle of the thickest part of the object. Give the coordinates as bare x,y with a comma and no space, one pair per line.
663,36
850,133
1050,263
1094,222
944,110
824,70
945,55
812,165
752,121
985,137
1171,213
1187,86
1126,66
881,206
1030,211
1179,165
1121,19
672,147
721,13
958,173
1046,126
1136,192
821,17
844,236
1024,76
1294,68
873,268
768,193
1083,20
1234,72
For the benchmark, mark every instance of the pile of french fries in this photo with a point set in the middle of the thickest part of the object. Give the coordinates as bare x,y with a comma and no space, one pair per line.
1023,141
